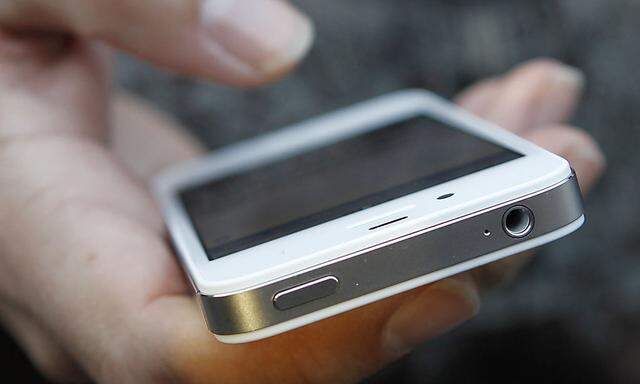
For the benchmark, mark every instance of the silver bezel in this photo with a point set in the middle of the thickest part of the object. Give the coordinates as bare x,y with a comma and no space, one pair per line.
436,251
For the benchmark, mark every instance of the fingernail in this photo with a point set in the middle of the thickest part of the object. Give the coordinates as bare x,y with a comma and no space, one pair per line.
570,76
266,35
436,310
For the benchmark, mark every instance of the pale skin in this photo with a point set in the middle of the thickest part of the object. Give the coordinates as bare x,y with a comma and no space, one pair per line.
88,284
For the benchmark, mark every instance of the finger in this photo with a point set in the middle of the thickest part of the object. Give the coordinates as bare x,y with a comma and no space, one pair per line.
582,152
146,140
341,349
479,97
537,93
244,42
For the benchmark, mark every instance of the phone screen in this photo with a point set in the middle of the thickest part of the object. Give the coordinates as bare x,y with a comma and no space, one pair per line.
288,195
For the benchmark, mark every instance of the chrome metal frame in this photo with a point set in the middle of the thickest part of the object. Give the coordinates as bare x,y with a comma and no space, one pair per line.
411,256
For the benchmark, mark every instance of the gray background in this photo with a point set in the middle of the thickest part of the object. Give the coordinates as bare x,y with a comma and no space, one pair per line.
574,314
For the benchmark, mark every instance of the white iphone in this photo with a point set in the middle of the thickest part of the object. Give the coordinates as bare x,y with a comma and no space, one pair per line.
355,206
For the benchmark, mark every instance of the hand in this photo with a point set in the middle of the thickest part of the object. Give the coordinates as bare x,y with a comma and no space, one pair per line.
246,42
88,284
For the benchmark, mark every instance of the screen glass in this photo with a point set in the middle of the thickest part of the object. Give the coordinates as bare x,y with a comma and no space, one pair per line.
280,198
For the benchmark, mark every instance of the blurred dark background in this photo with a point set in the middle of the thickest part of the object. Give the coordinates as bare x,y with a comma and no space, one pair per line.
573,316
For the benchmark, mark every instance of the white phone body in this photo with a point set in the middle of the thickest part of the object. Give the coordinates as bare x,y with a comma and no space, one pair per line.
340,239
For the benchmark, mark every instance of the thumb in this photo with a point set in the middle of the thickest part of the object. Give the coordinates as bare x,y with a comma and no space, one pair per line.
246,42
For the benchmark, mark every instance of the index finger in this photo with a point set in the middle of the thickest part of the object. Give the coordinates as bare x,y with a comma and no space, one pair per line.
246,42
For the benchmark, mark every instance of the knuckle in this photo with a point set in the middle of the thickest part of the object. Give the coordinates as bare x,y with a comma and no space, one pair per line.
119,20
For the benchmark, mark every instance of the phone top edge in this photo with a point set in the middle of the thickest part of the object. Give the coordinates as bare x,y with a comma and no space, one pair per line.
221,286
400,238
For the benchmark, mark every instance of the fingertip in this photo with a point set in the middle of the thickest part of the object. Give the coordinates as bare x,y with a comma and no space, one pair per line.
297,47
542,67
538,92
554,78
258,41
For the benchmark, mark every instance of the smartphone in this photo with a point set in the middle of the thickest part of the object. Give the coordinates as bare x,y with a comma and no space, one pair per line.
348,208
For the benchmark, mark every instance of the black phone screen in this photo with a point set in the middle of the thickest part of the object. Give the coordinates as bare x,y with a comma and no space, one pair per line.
288,195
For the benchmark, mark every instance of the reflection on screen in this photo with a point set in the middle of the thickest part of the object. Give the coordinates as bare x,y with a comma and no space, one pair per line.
286,196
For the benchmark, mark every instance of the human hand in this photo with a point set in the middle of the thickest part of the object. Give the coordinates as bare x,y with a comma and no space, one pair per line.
88,284
246,42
